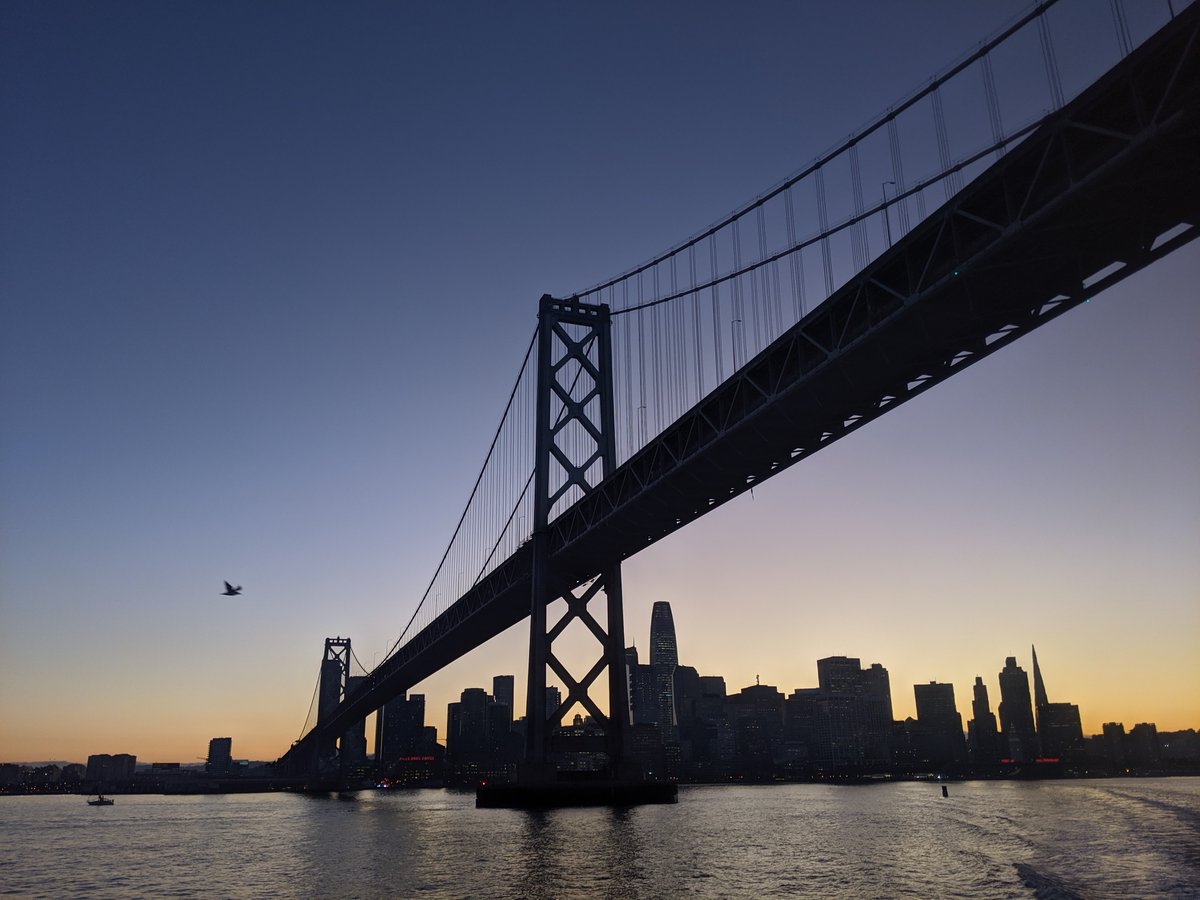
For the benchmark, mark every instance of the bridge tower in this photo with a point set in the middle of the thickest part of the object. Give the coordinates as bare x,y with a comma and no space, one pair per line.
335,673
575,450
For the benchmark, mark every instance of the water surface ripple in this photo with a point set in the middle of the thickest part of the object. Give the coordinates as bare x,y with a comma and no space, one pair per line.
1047,840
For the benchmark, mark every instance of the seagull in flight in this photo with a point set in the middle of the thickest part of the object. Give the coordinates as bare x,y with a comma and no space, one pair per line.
231,591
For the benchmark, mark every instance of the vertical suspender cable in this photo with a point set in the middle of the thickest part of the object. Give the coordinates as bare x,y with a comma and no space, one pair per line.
1053,78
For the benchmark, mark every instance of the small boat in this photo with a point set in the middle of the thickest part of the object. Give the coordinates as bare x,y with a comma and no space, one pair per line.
101,800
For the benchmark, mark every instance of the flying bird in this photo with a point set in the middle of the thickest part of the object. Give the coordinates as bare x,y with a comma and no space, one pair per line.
231,591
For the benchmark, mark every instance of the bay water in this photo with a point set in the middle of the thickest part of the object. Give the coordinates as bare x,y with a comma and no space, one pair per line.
1044,839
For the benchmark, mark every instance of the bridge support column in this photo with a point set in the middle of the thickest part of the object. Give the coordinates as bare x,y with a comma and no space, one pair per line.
335,671
575,450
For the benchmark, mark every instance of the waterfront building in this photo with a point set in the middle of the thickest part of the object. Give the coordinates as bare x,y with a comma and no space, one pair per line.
106,769
1143,746
855,714
220,756
399,729
1059,729
467,726
1174,746
805,727
1016,713
706,735
940,725
1114,744
758,728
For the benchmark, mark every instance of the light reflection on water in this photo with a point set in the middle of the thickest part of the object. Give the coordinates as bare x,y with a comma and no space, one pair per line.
1117,838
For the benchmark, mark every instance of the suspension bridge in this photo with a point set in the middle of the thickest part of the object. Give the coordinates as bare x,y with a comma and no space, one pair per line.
986,204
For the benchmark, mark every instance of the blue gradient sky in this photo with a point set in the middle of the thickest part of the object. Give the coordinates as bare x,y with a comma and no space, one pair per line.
267,271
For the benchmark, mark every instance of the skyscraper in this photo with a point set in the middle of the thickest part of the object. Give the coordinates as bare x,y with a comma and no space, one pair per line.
663,649
1039,687
1016,712
664,657
1059,730
399,728
1143,745
467,726
553,702
220,756
984,738
856,705
941,724
643,704
504,692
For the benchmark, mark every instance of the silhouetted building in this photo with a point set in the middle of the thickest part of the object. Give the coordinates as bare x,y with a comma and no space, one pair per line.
940,725
1143,747
664,657
467,727
220,756
644,744
711,702
115,769
983,740
854,715
1114,744
1176,746
663,649
399,729
687,692
1040,699
758,728
805,728
74,772
553,702
643,697
1016,713
504,692
479,738
1059,730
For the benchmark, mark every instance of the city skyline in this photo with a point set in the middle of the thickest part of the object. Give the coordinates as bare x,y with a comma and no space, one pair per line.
505,689
264,278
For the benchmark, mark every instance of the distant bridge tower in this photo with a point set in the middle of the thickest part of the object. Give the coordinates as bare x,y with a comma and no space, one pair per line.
335,669
575,450
335,673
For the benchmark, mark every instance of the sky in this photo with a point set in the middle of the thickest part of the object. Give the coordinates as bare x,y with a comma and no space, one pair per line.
267,272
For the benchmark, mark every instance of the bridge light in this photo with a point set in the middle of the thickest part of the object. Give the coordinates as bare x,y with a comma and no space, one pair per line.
955,273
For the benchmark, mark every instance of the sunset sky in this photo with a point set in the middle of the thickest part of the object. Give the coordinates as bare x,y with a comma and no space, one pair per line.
267,272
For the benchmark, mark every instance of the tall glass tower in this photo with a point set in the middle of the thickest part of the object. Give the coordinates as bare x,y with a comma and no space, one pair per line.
664,657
